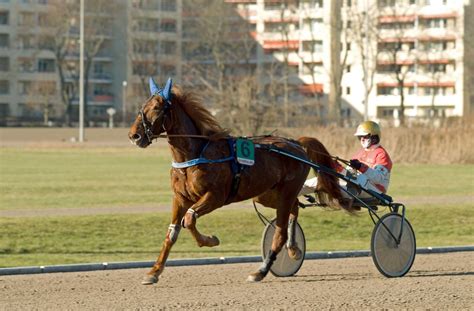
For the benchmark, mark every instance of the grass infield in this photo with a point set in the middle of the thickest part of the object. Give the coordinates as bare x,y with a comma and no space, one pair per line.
108,238
40,178
37,178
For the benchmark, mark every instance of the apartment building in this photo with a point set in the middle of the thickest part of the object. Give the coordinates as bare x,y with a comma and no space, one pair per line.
137,39
431,35
426,40
422,39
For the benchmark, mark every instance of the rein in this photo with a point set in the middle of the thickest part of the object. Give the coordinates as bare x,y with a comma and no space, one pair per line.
183,135
209,137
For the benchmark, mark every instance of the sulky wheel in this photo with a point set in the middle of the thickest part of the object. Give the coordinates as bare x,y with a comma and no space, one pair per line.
284,265
390,258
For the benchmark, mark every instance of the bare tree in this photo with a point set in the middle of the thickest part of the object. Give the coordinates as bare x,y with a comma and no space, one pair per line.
144,51
335,72
42,95
362,27
338,62
61,21
57,21
97,30
399,49
310,56
218,51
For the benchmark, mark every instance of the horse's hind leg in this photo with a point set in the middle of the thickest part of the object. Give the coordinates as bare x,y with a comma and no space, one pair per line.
279,239
293,250
170,239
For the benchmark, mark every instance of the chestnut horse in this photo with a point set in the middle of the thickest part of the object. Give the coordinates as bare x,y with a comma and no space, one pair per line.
206,176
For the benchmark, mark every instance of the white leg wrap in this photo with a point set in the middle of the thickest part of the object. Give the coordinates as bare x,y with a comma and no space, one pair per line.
192,212
173,231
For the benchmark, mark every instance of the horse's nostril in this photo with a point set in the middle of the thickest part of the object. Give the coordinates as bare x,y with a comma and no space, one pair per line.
136,137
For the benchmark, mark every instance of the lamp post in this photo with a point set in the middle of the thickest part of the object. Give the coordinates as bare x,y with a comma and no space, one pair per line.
81,74
124,99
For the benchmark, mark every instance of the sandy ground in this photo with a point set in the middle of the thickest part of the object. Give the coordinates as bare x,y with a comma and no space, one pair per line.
441,281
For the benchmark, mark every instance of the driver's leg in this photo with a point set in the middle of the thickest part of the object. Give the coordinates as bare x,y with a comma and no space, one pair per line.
309,186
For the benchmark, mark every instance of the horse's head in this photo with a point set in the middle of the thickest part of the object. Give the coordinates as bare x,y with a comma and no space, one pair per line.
151,117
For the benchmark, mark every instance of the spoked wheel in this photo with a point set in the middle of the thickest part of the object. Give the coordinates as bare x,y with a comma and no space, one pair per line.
393,260
284,265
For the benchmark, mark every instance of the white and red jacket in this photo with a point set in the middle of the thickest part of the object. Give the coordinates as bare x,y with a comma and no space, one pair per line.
376,167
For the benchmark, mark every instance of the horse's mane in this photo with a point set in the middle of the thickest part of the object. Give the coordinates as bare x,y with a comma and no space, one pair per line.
204,121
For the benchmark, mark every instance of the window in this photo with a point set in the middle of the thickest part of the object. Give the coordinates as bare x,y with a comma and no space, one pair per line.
146,25
24,88
190,29
386,112
311,69
4,87
433,68
101,89
314,25
4,110
46,65
145,4
168,25
46,88
348,68
4,64
4,40
26,19
313,3
436,23
275,27
383,90
313,46
4,18
25,64
26,42
145,46
168,47
30,110
386,3
46,42
168,5
43,19
168,70
348,90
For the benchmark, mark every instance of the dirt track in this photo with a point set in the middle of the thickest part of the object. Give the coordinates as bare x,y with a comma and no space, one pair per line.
442,281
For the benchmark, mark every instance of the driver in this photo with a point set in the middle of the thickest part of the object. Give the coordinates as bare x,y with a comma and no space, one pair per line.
371,164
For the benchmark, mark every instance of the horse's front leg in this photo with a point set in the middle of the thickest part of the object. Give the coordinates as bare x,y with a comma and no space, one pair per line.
171,237
205,205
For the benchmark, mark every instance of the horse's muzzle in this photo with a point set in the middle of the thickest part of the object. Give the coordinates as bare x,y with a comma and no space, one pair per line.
137,139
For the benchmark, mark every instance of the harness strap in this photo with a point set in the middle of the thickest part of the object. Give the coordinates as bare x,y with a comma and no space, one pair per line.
236,170
198,161
202,159
234,166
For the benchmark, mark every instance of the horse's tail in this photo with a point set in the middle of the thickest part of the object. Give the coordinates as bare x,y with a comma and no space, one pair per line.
327,189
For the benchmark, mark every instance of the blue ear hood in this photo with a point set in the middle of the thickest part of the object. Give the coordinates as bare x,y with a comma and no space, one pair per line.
165,92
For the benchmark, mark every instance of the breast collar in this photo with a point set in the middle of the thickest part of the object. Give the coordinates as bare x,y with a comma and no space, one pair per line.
203,160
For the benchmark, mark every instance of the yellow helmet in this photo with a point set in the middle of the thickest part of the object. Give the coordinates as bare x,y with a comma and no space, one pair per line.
368,127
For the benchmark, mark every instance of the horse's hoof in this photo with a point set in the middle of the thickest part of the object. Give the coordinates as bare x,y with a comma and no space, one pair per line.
214,241
149,280
295,253
255,277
